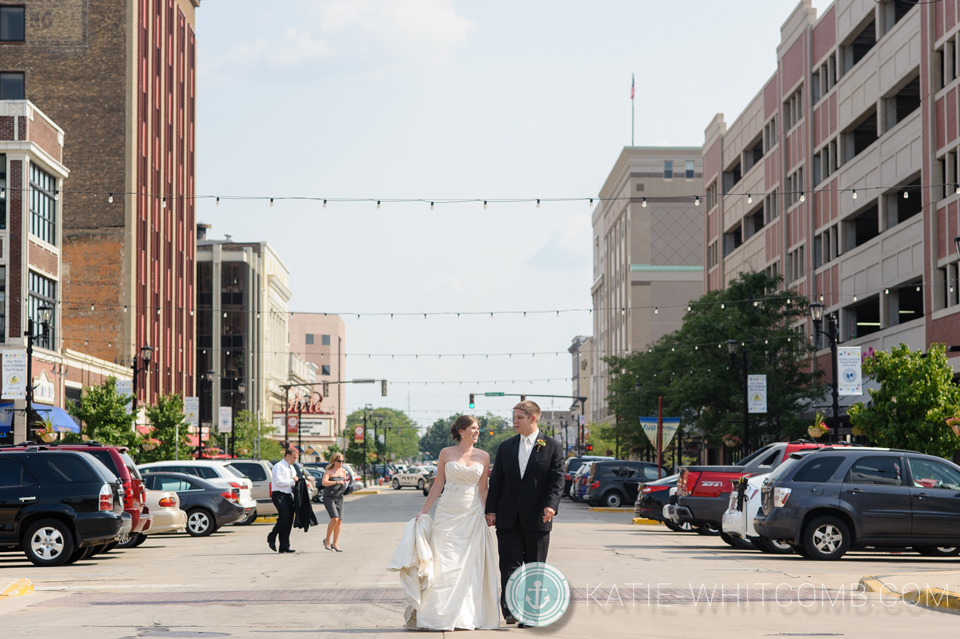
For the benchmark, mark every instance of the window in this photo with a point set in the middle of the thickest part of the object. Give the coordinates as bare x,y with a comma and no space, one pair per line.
254,471
899,106
732,240
818,469
731,177
862,228
793,109
771,207
860,46
309,338
3,305
43,292
325,340
667,169
711,196
712,256
931,474
325,369
753,154
67,469
906,303
13,474
11,86
892,11
689,170
796,266
3,191
795,186
770,134
11,24
43,205
876,470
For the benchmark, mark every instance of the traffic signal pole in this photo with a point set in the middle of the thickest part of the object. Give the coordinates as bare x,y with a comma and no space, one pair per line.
523,396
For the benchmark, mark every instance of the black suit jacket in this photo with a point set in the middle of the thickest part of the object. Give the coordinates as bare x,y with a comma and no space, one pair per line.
512,498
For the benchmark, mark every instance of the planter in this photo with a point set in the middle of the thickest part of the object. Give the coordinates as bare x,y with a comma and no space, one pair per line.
856,431
730,443
148,447
956,429
49,437
816,433
243,452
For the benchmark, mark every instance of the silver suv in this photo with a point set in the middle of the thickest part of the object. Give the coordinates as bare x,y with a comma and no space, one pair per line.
258,472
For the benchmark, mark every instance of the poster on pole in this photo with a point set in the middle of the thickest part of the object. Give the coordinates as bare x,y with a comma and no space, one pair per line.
225,421
191,411
358,434
670,427
14,374
125,389
757,393
850,380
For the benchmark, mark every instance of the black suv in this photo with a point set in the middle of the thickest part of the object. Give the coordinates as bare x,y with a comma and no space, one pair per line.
613,483
835,499
58,505
570,467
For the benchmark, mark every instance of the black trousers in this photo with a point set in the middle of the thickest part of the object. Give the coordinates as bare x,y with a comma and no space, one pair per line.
518,546
284,504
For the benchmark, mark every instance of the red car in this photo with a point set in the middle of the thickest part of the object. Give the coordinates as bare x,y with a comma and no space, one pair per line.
116,459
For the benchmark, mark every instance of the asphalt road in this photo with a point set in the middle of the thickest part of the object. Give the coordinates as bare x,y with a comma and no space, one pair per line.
628,580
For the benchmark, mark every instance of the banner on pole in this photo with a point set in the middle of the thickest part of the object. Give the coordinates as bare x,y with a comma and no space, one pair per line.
125,389
850,380
191,411
670,426
225,423
358,434
14,374
757,393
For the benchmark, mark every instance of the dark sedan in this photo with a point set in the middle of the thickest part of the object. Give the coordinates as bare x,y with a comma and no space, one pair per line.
651,499
208,507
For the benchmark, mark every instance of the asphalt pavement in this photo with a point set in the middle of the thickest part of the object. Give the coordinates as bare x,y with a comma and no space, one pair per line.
627,579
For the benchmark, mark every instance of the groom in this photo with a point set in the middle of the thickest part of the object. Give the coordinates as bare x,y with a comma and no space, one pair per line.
524,495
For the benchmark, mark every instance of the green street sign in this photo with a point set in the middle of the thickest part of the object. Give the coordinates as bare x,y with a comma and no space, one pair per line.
493,394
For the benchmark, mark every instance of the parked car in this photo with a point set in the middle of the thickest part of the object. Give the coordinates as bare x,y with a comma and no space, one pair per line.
58,505
428,482
652,496
166,517
840,498
353,482
119,463
415,476
614,483
577,484
570,466
312,484
258,471
207,505
317,474
217,472
316,465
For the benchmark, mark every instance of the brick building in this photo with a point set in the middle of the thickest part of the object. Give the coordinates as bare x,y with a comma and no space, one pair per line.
119,77
322,340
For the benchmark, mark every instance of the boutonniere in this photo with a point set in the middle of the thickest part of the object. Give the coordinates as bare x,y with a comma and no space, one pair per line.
540,444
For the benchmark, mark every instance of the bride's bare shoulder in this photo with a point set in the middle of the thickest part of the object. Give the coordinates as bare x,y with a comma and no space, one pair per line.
481,455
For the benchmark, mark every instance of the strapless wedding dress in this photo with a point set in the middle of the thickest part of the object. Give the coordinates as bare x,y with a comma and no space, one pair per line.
464,590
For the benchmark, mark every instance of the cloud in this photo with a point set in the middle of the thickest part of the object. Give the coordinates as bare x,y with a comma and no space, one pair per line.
569,245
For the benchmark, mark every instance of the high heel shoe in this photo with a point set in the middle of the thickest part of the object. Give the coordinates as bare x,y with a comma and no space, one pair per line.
335,548
326,546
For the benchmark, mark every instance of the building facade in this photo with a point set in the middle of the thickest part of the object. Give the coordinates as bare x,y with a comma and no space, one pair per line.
841,174
119,77
321,340
647,256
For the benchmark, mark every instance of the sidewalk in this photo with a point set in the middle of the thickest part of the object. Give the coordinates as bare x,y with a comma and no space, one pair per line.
937,589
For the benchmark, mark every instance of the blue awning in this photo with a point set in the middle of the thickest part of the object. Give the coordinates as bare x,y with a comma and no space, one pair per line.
62,421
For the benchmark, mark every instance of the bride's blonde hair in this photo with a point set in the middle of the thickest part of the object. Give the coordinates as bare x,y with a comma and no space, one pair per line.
462,423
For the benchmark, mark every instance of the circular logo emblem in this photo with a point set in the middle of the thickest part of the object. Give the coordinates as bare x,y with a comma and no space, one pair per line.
537,594
850,375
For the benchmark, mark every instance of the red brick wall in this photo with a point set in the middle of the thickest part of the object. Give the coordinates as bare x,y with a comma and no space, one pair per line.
46,137
6,127
824,35
93,273
792,66
42,259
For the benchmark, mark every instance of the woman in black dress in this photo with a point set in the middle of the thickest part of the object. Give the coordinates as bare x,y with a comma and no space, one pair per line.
334,482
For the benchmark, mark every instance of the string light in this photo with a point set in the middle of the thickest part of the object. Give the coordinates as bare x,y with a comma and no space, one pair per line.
906,195
271,202
590,203
378,205
110,199
749,199
431,206
538,204
643,202
854,194
484,205
696,201
803,198
218,201
163,204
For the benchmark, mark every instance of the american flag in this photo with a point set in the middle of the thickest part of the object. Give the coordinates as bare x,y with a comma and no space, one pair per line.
633,86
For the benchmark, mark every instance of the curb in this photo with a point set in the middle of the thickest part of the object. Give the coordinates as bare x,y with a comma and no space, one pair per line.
646,522
933,598
17,588
366,491
601,509
265,519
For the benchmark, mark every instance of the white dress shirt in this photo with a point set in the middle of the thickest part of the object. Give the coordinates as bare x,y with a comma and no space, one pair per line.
282,477
526,447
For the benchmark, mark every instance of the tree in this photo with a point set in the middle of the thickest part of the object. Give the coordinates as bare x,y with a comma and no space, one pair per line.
166,417
401,437
493,430
245,432
104,418
915,398
691,367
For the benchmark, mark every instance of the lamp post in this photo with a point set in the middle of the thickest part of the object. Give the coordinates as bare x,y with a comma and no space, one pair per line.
385,431
832,335
140,365
208,377
46,312
241,390
732,349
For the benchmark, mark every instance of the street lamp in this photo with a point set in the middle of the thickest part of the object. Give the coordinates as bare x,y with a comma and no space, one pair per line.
146,354
732,349
207,377
832,335
241,389
45,312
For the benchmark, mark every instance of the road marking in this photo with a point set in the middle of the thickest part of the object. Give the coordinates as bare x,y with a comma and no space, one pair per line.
18,588
116,587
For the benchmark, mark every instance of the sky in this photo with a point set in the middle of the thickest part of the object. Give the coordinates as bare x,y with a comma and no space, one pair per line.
441,99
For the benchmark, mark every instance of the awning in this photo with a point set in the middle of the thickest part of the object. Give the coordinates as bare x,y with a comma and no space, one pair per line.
62,421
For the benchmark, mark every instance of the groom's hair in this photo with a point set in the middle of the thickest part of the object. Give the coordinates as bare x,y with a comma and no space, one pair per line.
463,422
530,408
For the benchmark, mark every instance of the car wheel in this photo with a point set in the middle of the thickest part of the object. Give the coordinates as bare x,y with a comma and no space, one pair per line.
939,551
681,527
771,546
396,484
613,499
113,544
420,484
707,529
130,541
800,550
826,538
246,521
736,542
48,542
200,523
140,539
79,554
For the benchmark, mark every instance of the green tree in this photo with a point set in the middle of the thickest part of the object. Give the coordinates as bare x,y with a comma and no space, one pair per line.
692,370
166,417
245,431
915,398
493,430
104,418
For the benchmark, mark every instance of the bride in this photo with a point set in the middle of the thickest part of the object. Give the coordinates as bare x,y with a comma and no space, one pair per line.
461,589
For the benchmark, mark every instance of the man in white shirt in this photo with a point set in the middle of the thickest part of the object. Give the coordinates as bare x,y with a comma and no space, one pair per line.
282,479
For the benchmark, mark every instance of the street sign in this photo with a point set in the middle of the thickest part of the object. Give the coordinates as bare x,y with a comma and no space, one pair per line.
191,410
225,421
14,374
493,394
757,393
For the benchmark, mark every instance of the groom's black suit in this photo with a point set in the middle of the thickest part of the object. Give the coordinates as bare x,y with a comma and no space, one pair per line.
518,503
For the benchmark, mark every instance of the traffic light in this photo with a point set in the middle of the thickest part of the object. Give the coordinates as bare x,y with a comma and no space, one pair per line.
383,388
589,448
472,403
491,433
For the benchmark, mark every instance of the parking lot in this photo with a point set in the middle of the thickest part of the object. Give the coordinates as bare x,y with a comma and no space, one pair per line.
623,576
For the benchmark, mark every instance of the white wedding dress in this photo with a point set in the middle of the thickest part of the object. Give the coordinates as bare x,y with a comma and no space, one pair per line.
460,588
